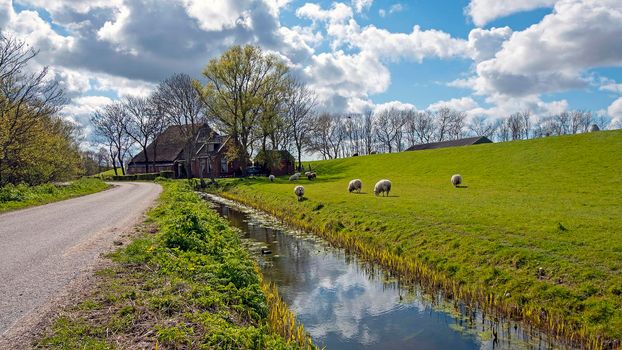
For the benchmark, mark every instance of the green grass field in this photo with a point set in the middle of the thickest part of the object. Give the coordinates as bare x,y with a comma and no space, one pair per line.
22,196
552,203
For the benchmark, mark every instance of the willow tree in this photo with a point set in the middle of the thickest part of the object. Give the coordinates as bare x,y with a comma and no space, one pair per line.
240,93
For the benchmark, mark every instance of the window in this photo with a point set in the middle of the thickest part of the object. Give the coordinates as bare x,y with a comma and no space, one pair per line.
223,165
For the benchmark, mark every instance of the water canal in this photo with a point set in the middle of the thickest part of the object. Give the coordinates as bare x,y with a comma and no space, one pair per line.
345,303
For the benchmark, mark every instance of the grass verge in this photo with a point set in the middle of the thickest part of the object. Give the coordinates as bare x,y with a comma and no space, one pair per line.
187,282
22,196
534,233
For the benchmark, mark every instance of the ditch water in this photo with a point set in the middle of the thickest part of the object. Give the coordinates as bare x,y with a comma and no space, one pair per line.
345,303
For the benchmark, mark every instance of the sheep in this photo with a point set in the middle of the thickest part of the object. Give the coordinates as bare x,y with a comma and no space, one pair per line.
311,176
271,178
307,173
456,180
294,177
300,192
355,185
382,186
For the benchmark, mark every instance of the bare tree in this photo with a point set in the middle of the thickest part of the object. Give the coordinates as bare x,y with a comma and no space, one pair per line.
580,121
299,115
367,131
481,126
327,135
388,127
141,124
181,104
109,124
420,128
602,121
442,119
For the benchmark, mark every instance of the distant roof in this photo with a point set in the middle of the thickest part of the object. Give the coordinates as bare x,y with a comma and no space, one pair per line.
452,143
169,145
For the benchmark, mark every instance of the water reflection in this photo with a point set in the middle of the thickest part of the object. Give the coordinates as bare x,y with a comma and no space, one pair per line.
344,304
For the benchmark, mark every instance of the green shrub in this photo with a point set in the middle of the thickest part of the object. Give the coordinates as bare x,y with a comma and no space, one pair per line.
10,193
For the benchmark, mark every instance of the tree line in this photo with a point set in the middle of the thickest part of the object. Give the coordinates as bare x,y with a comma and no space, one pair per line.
394,130
255,99
36,144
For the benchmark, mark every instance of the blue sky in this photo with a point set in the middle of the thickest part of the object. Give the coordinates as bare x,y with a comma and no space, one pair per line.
484,57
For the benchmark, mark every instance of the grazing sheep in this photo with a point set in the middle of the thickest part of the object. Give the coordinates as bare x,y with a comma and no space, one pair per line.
355,185
311,176
382,186
456,180
271,178
294,177
300,192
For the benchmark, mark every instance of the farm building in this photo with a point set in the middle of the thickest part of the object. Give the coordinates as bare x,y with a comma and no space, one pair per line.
453,143
275,162
169,152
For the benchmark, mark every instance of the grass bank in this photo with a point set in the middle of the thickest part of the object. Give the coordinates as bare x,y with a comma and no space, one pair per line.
535,232
22,196
186,282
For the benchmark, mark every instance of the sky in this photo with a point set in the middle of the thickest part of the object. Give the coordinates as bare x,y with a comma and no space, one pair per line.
484,57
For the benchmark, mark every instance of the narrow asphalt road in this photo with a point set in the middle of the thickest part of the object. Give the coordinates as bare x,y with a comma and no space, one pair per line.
42,249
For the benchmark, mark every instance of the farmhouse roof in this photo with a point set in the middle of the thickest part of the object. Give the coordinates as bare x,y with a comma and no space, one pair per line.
453,143
170,144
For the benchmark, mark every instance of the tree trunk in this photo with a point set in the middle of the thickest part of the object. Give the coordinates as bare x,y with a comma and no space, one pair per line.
146,160
299,149
121,163
155,155
114,162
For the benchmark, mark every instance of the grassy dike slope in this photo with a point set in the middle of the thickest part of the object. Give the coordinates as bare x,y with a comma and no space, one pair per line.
554,203
185,283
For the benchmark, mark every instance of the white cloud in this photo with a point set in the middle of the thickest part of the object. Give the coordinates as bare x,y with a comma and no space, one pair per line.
338,13
344,82
399,105
463,104
484,11
610,85
393,9
554,54
485,43
615,109
360,5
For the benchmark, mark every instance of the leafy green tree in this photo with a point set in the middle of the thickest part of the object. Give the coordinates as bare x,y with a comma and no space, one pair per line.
241,93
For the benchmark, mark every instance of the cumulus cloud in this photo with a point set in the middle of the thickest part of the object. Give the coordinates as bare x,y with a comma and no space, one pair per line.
338,13
484,11
554,54
344,82
485,43
615,109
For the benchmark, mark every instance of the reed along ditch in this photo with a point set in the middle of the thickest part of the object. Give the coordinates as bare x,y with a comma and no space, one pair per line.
346,303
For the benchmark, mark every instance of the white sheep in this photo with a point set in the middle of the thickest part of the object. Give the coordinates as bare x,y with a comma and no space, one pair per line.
382,186
355,185
294,177
271,178
456,180
307,173
300,192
